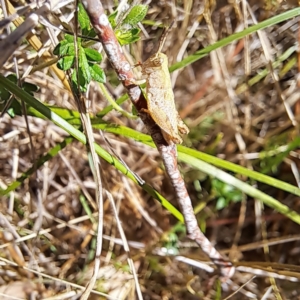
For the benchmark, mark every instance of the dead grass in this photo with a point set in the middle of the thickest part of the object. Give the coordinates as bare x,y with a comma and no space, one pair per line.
227,118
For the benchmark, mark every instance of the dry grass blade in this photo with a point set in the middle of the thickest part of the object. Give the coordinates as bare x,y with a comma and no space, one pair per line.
126,247
36,43
9,45
9,19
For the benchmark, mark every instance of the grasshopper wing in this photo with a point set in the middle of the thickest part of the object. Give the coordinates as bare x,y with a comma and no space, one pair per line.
164,113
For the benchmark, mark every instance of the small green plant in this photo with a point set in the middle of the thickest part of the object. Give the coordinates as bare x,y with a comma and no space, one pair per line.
225,193
121,266
170,243
128,32
89,58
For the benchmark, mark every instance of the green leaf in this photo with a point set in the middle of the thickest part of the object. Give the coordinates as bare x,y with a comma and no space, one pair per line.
11,112
62,48
225,193
69,38
92,54
136,14
221,203
13,78
74,80
134,111
65,47
127,37
92,33
83,64
112,19
66,62
15,108
30,88
97,73
82,80
4,95
83,19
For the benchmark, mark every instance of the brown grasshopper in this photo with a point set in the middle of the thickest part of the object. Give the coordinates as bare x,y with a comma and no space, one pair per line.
160,96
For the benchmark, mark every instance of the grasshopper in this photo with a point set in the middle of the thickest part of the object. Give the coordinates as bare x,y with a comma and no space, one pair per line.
160,96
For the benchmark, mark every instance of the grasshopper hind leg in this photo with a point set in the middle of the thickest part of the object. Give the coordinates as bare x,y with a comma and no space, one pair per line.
182,128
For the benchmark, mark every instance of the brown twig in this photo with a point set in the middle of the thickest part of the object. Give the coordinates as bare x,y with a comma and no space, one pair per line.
168,152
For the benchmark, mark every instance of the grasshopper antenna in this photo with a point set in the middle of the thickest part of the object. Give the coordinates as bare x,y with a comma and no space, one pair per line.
164,36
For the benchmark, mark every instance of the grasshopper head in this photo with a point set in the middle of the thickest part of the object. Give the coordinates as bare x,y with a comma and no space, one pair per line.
158,59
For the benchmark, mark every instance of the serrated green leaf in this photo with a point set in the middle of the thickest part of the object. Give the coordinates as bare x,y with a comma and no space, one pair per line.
71,50
131,40
82,81
92,54
112,19
74,79
69,38
64,48
135,31
127,37
83,18
83,65
136,14
58,49
97,73
66,62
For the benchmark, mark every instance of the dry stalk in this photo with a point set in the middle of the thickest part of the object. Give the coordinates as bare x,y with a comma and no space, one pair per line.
24,27
168,152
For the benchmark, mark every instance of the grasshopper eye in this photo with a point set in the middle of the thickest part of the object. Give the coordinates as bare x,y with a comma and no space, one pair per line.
158,61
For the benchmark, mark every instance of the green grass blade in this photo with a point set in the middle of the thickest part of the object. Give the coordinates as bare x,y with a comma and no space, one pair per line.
42,109
239,170
246,188
234,37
